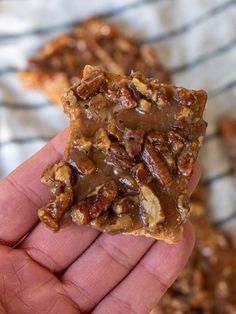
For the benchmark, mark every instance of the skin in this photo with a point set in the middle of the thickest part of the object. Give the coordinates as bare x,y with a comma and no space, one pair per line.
78,269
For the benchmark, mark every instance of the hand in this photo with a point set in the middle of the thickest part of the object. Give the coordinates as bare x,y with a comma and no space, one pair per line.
77,269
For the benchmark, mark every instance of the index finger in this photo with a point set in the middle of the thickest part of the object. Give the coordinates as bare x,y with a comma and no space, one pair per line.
21,193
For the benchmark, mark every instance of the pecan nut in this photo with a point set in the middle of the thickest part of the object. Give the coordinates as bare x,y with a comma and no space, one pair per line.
126,99
125,205
90,85
151,210
141,174
101,140
144,105
82,163
114,130
156,166
133,140
118,156
186,159
129,183
95,204
183,205
52,213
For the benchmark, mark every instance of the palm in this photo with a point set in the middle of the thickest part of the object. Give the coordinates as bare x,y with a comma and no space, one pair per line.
26,287
78,269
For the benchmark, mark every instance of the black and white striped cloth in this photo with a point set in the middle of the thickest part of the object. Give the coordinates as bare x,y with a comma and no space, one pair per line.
196,39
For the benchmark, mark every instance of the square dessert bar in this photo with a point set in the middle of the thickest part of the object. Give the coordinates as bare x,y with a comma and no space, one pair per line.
60,63
129,156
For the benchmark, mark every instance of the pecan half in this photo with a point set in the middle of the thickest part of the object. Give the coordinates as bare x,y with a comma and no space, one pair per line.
95,204
133,140
151,210
90,85
156,166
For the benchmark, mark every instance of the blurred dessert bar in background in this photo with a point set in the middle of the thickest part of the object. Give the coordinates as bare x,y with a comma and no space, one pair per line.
59,64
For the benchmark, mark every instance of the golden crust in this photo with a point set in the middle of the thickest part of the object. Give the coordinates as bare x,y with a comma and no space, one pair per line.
158,235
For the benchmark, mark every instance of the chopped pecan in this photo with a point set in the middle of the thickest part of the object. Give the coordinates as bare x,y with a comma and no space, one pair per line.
64,174
95,108
151,210
125,205
190,130
82,143
162,100
95,204
186,97
157,140
82,163
175,141
183,205
142,88
121,223
89,70
118,156
133,140
187,158
156,166
126,99
101,140
90,85
129,183
59,178
52,213
114,130
184,113
144,105
141,174
159,143
57,172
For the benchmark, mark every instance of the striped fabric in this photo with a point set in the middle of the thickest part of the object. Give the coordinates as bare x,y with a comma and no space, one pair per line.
196,39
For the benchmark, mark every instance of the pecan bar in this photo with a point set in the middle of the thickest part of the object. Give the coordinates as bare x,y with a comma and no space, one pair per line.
130,153
228,131
59,63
